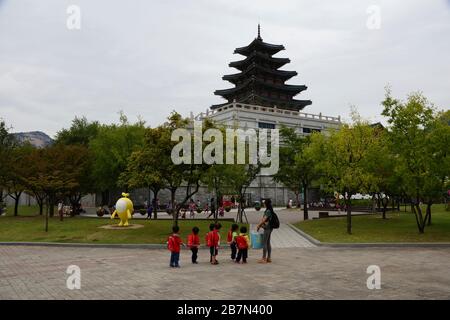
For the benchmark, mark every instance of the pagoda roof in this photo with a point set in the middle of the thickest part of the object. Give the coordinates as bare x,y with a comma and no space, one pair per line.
259,45
285,75
285,88
243,64
295,105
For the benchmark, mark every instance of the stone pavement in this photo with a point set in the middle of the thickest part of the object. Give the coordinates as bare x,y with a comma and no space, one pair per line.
296,273
286,237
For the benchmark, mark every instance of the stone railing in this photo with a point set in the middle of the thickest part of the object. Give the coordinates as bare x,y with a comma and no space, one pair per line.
251,107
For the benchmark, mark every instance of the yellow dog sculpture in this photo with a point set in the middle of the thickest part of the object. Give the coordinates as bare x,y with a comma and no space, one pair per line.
124,209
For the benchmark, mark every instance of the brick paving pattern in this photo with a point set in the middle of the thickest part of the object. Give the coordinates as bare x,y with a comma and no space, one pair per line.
296,273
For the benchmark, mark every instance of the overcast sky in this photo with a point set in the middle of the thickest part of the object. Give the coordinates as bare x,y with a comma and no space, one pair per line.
150,57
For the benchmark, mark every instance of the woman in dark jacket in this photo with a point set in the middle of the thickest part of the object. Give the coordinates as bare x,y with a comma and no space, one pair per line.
265,224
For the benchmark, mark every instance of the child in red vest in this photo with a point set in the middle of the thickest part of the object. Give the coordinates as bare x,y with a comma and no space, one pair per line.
242,242
194,243
213,242
173,244
231,239
208,239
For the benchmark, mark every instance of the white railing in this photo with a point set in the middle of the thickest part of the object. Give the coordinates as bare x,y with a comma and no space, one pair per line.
244,106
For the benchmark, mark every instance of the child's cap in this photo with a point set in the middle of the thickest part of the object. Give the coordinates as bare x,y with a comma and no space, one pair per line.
175,229
195,230
243,229
234,226
211,226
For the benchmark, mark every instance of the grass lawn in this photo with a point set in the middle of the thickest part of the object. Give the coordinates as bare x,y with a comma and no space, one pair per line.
24,210
85,230
399,227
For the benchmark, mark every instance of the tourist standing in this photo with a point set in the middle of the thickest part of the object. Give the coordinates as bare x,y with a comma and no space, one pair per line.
265,224
60,210
191,209
149,211
213,208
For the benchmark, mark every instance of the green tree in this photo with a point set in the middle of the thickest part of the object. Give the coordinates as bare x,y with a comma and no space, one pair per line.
7,145
385,179
343,166
144,168
111,149
239,177
81,132
297,164
438,142
59,173
422,159
19,170
287,173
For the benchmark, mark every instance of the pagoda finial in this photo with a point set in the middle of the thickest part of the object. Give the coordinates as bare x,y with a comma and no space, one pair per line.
259,32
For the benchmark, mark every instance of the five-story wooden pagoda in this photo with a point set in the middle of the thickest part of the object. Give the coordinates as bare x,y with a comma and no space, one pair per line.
260,82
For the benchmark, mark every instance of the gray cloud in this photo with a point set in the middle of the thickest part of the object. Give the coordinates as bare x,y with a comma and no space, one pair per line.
150,57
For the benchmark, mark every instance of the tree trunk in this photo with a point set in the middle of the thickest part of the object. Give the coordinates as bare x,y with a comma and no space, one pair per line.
46,216
349,215
385,203
41,207
305,202
428,214
155,197
51,206
174,210
419,217
216,212
239,212
16,203
373,203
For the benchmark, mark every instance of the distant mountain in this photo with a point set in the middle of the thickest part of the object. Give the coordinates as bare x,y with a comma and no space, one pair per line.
37,138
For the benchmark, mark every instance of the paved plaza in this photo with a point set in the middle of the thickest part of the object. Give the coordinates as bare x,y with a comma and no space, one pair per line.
296,273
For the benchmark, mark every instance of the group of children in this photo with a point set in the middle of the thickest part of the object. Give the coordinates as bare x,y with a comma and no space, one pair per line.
238,242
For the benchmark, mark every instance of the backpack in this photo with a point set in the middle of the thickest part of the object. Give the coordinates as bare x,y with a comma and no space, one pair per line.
274,222
241,242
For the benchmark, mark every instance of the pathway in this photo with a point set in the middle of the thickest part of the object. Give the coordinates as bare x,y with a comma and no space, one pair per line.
286,237
295,273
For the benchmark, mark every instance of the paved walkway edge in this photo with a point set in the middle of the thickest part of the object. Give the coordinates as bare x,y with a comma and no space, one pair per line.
163,246
85,245
312,240
371,245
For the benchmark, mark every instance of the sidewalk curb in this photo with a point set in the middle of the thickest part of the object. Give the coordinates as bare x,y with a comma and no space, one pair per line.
371,244
151,246
393,245
85,245
312,240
